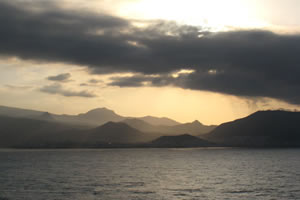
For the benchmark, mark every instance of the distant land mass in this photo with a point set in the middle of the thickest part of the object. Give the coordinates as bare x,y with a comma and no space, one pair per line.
261,129
40,129
194,128
103,128
92,118
180,141
159,121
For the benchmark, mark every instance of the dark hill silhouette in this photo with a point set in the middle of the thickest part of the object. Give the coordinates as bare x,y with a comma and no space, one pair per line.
195,128
121,133
100,116
184,140
157,121
24,132
261,129
46,116
92,118
34,128
19,112
140,125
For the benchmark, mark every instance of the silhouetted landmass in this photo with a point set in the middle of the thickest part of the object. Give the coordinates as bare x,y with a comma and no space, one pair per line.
121,133
195,128
92,118
19,112
22,131
46,116
180,141
32,133
140,125
35,129
100,116
157,121
261,129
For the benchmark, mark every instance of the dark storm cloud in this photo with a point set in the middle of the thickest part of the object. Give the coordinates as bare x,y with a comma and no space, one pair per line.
252,63
143,80
60,77
58,89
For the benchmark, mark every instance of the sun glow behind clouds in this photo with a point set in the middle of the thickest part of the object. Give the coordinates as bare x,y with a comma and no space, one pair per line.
216,14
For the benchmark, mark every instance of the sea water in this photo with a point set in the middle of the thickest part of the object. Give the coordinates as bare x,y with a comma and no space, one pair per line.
164,174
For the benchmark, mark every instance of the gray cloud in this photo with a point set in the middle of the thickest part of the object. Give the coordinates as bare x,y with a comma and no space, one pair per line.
60,77
140,80
92,83
95,81
253,63
58,89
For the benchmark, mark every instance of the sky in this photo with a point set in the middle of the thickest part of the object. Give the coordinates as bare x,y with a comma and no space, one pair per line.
207,60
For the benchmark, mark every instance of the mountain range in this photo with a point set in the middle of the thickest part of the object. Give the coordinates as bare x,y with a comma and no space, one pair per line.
92,118
96,128
103,128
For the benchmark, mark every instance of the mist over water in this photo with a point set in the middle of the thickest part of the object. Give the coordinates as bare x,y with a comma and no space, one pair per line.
150,174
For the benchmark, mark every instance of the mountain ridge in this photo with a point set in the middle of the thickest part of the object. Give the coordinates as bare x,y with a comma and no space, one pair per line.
271,128
194,128
92,118
184,140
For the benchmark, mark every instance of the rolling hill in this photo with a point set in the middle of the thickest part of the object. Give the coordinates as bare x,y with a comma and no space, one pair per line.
261,129
180,141
33,133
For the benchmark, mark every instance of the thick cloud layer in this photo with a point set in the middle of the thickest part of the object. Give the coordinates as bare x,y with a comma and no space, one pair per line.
252,63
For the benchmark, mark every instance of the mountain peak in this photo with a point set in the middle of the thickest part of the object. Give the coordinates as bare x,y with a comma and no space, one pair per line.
100,116
196,122
103,109
99,112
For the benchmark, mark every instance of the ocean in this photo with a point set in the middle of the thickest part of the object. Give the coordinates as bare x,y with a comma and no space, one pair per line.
142,174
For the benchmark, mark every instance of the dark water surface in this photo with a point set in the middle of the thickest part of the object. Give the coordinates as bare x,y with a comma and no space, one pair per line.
170,174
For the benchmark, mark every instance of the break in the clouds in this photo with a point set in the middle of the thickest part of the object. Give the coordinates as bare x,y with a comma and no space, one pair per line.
253,63
60,77
58,89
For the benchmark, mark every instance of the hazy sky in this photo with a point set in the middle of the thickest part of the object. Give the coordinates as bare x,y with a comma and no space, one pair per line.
210,60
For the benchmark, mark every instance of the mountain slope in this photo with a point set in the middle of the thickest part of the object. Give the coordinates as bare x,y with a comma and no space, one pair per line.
100,116
92,118
157,121
180,141
195,128
22,131
116,132
261,129
19,112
